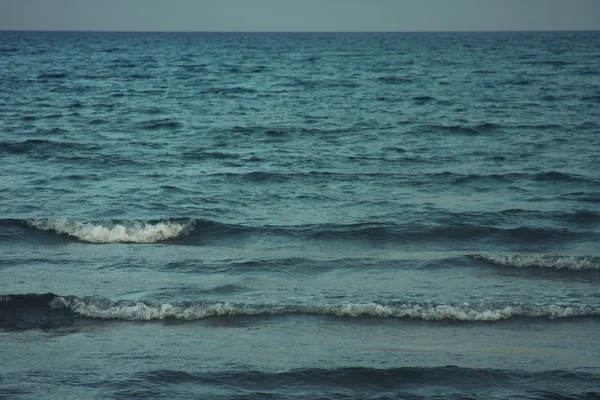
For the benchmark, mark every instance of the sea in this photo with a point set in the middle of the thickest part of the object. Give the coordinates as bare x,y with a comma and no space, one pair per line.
299,215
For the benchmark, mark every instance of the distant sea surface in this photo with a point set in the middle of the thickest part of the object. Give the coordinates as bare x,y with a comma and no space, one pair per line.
294,216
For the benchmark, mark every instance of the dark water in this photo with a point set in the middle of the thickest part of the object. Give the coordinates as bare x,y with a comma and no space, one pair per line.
358,216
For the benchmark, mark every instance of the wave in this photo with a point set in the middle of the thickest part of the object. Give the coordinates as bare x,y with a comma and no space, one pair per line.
43,147
140,76
455,178
228,90
194,67
423,99
202,153
540,126
575,263
583,197
556,176
271,177
595,98
275,130
160,124
487,126
424,179
413,232
111,50
545,176
107,232
194,231
141,311
37,308
380,383
458,129
395,80
588,71
52,75
4,49
110,231
552,63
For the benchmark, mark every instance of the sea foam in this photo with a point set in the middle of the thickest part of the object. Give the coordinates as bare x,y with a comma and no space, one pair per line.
146,311
123,232
543,261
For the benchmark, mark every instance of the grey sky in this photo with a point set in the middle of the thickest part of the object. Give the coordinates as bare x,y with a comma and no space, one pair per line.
300,15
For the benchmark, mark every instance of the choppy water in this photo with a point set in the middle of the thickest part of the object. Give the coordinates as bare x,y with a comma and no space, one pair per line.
359,216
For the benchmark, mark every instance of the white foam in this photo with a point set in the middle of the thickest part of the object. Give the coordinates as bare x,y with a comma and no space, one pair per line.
543,261
131,232
142,311
465,312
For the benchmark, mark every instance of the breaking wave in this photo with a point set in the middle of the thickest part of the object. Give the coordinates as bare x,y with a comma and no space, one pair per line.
577,263
144,310
108,232
45,311
196,231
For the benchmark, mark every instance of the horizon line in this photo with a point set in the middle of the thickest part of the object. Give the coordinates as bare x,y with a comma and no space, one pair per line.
297,31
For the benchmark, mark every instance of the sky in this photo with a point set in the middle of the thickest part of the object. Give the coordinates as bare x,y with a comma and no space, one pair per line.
300,15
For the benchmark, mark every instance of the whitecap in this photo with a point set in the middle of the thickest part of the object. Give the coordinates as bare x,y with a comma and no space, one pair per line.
106,232
147,311
576,263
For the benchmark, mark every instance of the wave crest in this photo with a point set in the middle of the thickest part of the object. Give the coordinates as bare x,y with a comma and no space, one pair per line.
147,311
110,232
543,261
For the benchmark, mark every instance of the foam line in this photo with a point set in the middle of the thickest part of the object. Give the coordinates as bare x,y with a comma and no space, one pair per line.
145,311
542,261
105,232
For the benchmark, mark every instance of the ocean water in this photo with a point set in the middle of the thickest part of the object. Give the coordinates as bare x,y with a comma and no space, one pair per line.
292,216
